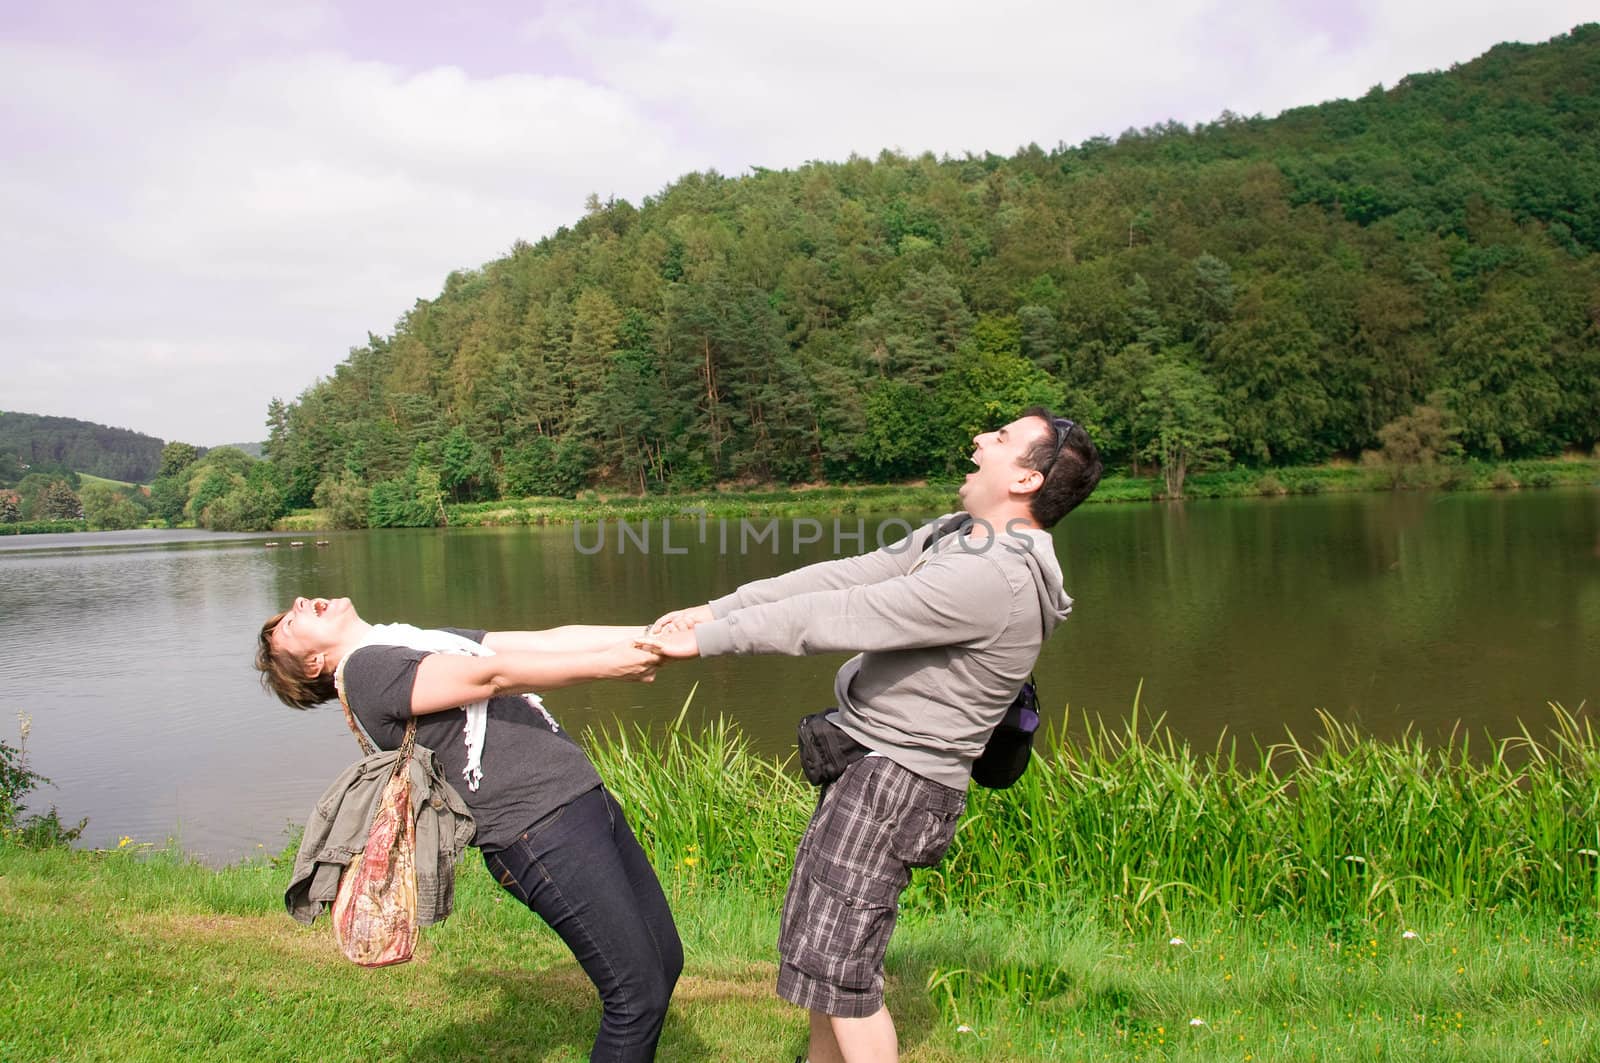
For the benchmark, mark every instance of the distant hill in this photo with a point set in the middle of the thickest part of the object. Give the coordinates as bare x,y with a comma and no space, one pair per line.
82,446
252,449
1286,288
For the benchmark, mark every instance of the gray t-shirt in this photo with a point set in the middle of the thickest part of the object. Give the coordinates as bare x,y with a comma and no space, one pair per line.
529,770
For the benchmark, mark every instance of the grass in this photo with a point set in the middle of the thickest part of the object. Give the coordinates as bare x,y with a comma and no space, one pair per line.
146,957
85,479
1339,827
1325,898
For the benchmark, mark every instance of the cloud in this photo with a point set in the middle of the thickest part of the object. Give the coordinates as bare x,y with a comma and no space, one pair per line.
208,205
254,228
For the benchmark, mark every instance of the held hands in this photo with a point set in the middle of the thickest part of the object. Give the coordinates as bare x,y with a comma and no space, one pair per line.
677,644
632,661
672,636
682,620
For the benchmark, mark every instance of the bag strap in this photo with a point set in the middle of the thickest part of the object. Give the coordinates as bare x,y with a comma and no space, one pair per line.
407,744
944,528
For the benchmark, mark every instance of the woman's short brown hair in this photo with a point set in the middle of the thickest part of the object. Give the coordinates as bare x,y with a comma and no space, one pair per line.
285,675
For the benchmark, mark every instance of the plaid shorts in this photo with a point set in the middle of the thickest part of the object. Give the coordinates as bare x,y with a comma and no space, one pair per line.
870,828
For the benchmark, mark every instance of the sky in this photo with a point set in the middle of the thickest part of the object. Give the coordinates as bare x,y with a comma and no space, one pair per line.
204,204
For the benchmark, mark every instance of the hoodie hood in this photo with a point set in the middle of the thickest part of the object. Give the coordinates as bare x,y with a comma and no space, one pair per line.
1037,549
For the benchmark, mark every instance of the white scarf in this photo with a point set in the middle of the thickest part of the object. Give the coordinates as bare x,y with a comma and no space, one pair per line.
417,638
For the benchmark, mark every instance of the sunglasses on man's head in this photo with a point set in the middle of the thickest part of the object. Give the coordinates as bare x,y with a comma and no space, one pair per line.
1061,426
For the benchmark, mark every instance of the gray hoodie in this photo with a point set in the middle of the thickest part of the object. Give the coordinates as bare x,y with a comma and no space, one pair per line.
946,636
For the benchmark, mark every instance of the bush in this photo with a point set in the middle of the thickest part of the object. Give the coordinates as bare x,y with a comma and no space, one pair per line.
41,527
1270,485
345,500
410,501
105,507
58,501
1502,480
17,780
1428,434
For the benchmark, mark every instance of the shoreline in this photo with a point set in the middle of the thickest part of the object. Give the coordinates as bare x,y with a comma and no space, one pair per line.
830,500
939,497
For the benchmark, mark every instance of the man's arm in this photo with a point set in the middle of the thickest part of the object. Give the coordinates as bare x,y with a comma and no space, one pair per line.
884,563
953,599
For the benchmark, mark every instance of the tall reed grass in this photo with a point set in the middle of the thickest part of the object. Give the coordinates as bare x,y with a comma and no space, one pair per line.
1130,821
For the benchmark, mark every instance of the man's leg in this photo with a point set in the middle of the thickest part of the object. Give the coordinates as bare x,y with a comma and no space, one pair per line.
822,1047
870,827
868,1040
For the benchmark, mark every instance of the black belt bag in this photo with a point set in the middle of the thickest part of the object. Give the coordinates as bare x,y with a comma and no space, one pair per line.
825,750
1006,755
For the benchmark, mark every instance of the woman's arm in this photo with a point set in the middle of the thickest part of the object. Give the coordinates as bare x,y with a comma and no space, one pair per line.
573,638
449,680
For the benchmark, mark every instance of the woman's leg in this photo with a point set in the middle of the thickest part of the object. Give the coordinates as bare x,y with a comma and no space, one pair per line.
647,894
584,874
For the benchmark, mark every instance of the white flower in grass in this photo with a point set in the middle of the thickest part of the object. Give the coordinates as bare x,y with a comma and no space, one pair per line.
1409,935
963,1028
1175,942
1197,1022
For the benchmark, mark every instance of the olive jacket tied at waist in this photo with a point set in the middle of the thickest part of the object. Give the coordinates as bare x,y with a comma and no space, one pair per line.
338,826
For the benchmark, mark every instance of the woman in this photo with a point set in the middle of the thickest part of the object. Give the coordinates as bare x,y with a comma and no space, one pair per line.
550,833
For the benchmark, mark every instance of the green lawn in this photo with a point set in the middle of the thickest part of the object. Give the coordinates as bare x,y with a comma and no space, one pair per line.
1131,898
85,479
130,957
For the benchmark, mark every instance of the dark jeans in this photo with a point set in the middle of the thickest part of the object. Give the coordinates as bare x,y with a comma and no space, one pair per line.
581,869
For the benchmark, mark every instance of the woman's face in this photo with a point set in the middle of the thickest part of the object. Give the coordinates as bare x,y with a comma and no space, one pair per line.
313,626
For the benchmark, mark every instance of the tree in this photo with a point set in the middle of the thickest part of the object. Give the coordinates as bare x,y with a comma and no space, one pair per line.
176,457
532,469
902,431
466,470
1176,423
345,500
1267,372
913,335
1426,435
10,507
109,509
59,502
414,500
982,392
167,498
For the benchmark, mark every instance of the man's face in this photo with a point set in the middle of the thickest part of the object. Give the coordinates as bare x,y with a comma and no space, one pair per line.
1000,473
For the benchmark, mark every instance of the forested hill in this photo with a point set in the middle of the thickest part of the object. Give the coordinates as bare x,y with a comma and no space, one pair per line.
68,445
1279,288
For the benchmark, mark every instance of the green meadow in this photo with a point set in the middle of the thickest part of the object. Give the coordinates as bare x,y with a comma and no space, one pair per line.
1330,896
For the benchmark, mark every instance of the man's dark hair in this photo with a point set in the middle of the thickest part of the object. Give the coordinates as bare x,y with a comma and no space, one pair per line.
1070,463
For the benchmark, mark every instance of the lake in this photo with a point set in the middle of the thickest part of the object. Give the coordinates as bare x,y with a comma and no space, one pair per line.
131,650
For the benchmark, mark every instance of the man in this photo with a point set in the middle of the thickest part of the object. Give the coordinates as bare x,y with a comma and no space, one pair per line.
949,623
